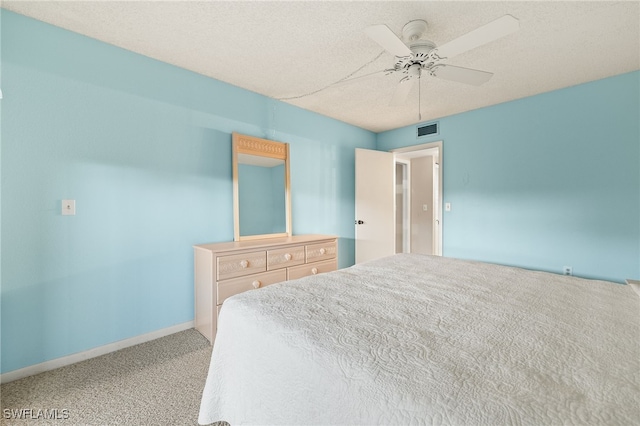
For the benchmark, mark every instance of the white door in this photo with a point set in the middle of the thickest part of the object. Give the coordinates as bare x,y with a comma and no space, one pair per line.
437,226
375,210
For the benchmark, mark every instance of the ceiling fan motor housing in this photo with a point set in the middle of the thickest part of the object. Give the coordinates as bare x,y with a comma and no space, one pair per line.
419,58
421,48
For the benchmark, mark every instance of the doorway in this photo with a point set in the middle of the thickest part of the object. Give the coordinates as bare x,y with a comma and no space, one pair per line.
386,188
418,199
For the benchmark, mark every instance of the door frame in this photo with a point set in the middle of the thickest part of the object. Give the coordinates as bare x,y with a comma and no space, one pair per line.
416,151
406,201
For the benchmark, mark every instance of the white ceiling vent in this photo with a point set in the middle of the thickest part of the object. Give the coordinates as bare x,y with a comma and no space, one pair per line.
427,129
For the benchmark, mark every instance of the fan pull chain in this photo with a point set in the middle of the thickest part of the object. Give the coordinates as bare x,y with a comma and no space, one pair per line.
419,100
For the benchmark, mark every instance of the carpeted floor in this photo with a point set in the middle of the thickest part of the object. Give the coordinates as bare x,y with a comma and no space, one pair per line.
154,383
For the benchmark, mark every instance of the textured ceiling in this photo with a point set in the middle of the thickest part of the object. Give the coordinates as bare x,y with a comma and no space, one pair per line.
294,51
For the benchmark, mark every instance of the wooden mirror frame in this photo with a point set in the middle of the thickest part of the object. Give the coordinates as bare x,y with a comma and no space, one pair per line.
243,144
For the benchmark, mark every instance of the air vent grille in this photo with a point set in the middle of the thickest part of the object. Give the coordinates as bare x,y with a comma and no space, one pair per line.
427,129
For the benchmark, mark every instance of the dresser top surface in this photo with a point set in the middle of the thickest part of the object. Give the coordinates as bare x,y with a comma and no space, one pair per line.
264,243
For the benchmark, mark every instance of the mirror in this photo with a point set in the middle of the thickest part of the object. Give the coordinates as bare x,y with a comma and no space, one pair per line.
261,195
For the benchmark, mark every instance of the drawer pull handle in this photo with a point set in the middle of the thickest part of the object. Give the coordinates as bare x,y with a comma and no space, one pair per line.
314,271
322,251
244,263
256,284
287,256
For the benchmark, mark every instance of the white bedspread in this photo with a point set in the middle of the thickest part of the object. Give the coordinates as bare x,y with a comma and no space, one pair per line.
415,339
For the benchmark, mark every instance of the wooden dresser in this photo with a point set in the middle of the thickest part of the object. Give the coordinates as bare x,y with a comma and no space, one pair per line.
225,269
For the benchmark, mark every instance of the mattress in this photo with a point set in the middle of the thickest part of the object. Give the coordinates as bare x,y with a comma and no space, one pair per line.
416,339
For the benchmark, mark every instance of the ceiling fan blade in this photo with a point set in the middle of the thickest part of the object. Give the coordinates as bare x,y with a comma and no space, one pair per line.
382,35
402,92
461,75
487,33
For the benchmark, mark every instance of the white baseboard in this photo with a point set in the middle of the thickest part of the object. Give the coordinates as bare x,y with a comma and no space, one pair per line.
92,353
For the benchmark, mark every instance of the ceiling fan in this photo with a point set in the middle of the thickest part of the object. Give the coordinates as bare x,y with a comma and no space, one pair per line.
421,56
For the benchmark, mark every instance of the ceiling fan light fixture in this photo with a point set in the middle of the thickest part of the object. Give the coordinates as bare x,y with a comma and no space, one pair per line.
414,71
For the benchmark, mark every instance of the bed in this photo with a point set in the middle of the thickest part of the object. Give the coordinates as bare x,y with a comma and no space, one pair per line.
416,339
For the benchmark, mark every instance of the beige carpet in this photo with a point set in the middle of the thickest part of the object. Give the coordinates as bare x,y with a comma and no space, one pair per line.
154,383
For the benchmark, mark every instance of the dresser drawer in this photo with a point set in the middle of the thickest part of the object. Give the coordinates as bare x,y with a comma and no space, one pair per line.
238,265
321,251
228,288
283,258
312,269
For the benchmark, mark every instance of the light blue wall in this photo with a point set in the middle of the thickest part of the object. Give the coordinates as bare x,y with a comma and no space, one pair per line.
546,181
145,150
278,203
261,195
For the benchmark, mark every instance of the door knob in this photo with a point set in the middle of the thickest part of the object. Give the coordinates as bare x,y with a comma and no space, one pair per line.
359,222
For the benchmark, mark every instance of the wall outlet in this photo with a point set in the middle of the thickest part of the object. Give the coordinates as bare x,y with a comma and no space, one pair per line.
567,270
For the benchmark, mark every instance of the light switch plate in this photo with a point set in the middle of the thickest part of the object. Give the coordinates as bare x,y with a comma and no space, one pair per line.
447,207
68,207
